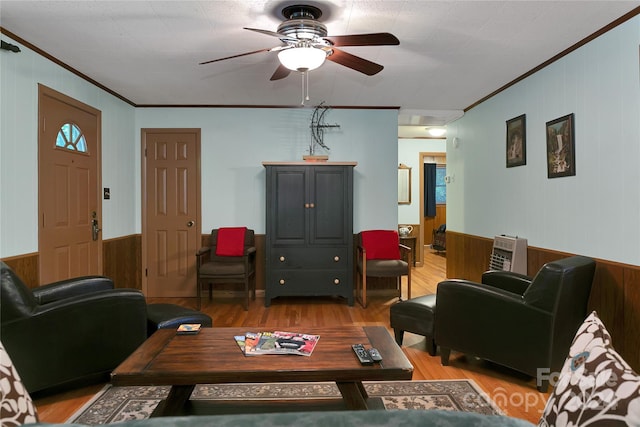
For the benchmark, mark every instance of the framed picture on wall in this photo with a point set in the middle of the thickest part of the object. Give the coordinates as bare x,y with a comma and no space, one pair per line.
561,159
517,141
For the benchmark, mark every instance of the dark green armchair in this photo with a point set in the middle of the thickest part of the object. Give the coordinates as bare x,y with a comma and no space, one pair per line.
71,332
526,324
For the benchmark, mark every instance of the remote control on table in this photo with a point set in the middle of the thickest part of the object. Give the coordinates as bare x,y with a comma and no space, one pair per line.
363,355
375,355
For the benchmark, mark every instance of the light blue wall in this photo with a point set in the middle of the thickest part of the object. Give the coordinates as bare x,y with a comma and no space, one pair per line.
235,142
596,212
409,154
19,77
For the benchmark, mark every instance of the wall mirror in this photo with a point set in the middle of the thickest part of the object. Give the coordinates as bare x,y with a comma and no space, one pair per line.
404,185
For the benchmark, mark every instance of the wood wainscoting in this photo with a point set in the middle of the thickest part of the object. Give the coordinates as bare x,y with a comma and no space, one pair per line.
433,222
615,294
26,268
121,260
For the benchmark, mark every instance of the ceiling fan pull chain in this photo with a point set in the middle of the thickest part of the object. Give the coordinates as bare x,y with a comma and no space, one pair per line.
305,86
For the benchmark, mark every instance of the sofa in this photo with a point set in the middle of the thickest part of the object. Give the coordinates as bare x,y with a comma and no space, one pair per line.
334,419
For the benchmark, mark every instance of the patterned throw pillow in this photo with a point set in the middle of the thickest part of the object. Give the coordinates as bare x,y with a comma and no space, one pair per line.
596,387
16,407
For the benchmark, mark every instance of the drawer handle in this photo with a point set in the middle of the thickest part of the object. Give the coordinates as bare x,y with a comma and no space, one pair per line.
281,281
336,281
281,259
336,258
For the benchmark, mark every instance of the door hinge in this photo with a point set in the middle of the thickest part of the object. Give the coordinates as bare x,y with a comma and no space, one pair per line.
146,272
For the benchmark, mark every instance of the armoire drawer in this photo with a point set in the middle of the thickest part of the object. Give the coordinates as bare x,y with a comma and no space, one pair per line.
308,282
308,258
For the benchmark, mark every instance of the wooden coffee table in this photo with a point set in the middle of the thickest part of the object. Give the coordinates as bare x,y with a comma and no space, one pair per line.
213,357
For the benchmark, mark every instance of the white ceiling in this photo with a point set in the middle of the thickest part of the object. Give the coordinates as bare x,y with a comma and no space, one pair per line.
451,53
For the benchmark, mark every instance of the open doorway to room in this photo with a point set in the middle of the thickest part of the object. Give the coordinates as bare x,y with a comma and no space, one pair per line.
435,215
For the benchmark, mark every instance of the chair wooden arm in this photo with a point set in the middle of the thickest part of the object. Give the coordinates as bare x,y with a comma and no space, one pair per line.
203,250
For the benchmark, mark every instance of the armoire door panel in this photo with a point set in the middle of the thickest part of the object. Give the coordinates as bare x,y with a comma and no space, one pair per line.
290,208
329,216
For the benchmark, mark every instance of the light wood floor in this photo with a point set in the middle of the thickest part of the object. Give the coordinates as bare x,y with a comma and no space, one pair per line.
514,393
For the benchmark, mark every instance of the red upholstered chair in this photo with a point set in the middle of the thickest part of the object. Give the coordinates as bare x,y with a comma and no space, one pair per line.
229,258
379,254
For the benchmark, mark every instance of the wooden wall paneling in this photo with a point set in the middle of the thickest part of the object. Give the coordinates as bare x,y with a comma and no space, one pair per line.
478,257
631,317
537,257
26,268
607,299
122,261
455,255
433,222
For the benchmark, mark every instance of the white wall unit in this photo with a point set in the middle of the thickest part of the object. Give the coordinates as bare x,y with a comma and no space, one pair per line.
509,254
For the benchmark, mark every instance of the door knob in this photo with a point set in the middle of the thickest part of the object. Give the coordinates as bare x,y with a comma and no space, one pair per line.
190,223
95,229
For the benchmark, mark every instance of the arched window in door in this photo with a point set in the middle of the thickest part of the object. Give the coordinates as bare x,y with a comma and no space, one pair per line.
70,137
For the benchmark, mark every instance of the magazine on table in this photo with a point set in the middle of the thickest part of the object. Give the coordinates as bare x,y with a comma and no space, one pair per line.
278,342
240,341
251,340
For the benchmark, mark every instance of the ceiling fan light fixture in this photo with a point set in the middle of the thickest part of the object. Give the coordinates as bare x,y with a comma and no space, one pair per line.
302,58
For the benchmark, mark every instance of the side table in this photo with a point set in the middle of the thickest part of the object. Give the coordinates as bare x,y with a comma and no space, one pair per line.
411,242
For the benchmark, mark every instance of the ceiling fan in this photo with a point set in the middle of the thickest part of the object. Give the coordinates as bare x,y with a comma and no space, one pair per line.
305,44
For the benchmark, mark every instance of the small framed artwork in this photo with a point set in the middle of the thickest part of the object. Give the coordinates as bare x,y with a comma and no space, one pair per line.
517,141
561,159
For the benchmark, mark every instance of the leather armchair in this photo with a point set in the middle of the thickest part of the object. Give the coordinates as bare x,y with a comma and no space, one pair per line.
215,269
69,332
526,324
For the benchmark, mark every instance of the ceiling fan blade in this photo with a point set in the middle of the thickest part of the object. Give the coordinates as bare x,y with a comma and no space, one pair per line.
355,62
373,39
280,73
236,56
272,33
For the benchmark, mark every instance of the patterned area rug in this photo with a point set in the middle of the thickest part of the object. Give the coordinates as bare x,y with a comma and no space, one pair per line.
118,404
